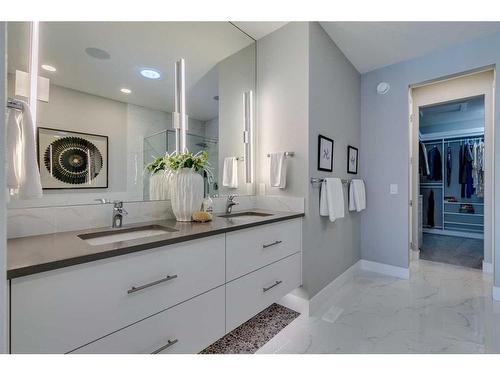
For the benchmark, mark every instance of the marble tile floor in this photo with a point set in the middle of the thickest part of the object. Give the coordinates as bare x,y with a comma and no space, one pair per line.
442,308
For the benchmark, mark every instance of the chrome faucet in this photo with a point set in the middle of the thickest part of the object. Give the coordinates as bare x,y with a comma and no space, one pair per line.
118,213
230,203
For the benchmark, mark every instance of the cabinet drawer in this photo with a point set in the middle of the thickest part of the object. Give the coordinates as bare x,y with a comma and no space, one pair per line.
186,328
58,311
252,293
250,249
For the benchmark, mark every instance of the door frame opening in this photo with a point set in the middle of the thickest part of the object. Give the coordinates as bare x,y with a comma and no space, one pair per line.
480,82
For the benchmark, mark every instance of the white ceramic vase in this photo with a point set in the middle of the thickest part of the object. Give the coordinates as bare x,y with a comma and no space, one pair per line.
160,185
186,193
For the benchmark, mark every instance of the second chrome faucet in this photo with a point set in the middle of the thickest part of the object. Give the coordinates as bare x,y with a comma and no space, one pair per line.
230,203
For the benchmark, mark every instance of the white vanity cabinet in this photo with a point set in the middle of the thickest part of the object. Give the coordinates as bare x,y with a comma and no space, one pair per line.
186,328
60,310
262,265
178,298
250,249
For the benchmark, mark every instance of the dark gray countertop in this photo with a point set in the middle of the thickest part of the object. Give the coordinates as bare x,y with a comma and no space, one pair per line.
34,254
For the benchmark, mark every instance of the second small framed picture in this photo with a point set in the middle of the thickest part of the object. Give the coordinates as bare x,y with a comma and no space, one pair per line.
352,160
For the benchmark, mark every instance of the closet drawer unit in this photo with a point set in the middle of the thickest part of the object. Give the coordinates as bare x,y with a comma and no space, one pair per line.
60,310
252,293
251,249
186,328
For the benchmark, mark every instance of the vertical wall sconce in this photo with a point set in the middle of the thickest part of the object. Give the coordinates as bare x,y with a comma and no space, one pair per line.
33,93
248,134
179,118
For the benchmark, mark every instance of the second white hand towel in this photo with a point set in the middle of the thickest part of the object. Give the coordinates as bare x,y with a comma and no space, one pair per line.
332,199
357,195
277,170
230,173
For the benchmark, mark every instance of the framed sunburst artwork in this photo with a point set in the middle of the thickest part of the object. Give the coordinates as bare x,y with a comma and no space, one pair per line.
72,160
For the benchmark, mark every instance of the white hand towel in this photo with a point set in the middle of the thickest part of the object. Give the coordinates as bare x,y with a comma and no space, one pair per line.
277,170
14,150
357,195
230,172
23,176
30,183
332,199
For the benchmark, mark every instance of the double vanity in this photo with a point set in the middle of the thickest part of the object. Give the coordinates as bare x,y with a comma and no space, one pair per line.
158,287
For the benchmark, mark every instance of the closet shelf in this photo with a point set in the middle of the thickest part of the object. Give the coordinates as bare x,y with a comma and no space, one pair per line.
462,213
474,203
459,223
469,230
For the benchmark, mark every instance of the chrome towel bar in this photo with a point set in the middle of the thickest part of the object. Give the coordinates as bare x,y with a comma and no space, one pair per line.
316,180
288,154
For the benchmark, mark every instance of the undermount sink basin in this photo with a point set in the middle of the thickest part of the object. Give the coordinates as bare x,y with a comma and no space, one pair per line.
127,234
245,214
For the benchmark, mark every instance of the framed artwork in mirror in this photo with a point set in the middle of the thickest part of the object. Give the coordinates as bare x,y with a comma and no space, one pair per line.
325,154
72,160
352,160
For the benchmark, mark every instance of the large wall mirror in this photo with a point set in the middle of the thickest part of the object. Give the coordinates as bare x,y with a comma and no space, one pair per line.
109,86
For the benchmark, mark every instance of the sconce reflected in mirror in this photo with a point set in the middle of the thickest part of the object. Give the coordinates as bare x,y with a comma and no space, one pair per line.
248,134
179,118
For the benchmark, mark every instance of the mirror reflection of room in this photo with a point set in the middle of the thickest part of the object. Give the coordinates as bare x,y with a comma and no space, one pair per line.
107,91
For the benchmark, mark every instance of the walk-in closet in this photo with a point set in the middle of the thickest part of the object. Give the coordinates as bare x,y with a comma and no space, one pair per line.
451,179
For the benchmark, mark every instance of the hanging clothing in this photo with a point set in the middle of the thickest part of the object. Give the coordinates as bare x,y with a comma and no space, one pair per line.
435,164
469,181
448,166
430,209
423,163
478,169
461,170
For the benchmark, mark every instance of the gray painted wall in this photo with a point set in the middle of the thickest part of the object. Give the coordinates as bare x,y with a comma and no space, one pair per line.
384,145
334,102
306,86
282,104
3,184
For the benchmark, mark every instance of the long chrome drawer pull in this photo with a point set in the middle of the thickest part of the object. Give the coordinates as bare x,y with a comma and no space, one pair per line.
272,286
271,244
167,345
137,288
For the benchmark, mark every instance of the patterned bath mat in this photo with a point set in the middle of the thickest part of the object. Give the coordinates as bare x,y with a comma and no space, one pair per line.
251,335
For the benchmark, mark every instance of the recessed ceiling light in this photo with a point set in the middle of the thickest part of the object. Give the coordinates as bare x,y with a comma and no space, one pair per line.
150,73
48,68
97,53
126,91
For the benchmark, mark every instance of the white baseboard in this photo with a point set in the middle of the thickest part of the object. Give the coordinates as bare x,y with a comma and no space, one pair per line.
496,293
325,294
487,267
386,269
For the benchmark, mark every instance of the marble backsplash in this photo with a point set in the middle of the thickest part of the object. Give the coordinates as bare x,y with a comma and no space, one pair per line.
22,222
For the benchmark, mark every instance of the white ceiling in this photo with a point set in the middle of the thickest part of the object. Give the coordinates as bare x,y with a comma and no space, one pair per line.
372,45
258,30
135,45
459,111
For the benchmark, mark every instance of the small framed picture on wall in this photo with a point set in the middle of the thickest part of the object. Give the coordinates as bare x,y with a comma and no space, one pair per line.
325,154
352,160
